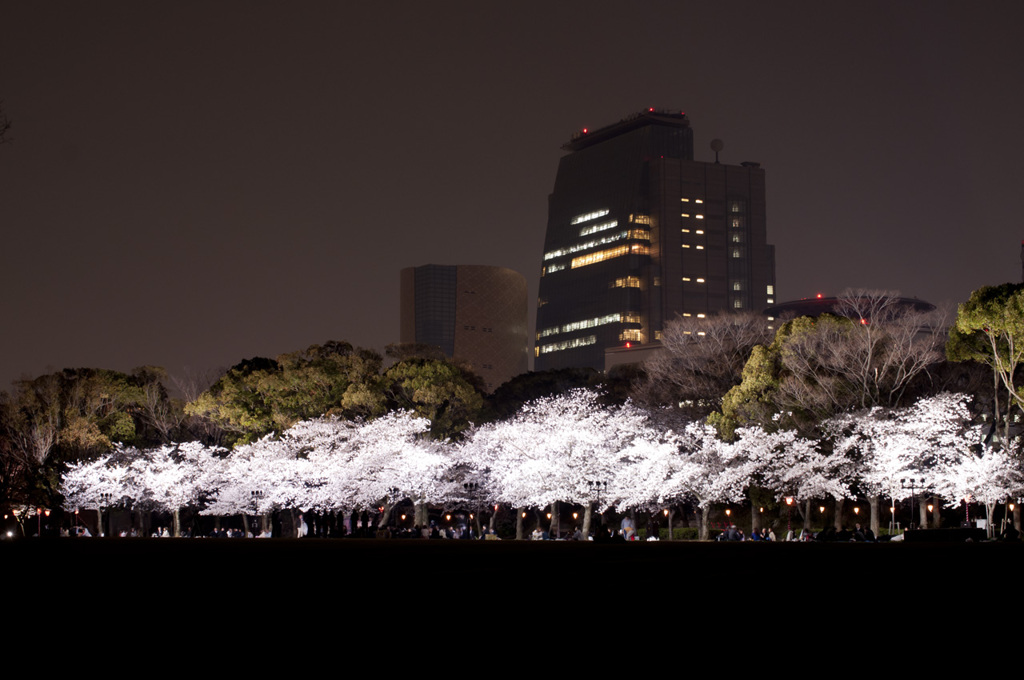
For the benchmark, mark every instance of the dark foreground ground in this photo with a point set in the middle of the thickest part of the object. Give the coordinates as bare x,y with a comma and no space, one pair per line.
182,580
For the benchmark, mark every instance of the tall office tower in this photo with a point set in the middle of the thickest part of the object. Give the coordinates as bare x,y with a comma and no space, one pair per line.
639,232
475,314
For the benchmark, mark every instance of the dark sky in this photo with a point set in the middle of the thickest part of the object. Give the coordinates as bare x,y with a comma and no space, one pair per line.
191,184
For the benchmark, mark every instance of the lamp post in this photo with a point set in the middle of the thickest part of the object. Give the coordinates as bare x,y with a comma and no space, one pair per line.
912,483
789,518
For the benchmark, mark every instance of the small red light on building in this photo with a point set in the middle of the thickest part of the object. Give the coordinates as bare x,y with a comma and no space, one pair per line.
584,130
863,322
819,296
651,110
628,345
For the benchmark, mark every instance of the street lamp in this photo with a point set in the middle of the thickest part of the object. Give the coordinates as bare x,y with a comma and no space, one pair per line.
912,483
789,518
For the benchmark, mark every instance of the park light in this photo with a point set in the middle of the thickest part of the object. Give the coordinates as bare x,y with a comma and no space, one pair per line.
448,518
856,510
821,509
524,514
549,515
665,512
728,512
575,515
789,500
930,507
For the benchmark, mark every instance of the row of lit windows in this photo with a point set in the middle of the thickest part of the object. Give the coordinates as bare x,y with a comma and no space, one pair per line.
602,255
696,231
600,226
626,282
627,317
687,245
589,216
699,217
551,268
567,344
639,219
696,200
631,335
687,279
640,234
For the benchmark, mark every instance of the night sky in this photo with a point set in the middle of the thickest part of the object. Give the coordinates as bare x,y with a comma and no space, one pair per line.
193,183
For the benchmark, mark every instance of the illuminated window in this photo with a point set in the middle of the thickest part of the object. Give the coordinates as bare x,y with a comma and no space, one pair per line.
602,255
631,335
736,285
657,281
554,268
686,278
686,231
700,231
700,247
737,223
685,200
701,316
541,302
736,252
600,226
701,332
700,280
627,317
737,237
698,201
657,335
687,314
700,217
737,304
589,216
626,282
637,234
771,301
735,206
686,245
685,215
567,344
771,290
640,219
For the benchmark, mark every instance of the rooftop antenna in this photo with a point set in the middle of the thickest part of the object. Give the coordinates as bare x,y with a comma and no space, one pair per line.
716,146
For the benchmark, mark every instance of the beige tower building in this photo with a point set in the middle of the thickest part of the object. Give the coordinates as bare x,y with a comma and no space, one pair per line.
475,314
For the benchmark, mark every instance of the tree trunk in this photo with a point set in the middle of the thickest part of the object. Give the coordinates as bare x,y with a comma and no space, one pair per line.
990,512
873,502
936,513
519,523
1016,517
838,523
922,513
176,522
704,517
671,514
553,529
587,516
807,515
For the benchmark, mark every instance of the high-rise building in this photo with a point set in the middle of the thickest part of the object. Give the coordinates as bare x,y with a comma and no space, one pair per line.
475,314
639,232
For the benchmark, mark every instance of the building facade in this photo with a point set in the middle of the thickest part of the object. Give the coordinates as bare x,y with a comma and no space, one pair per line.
639,232
475,314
